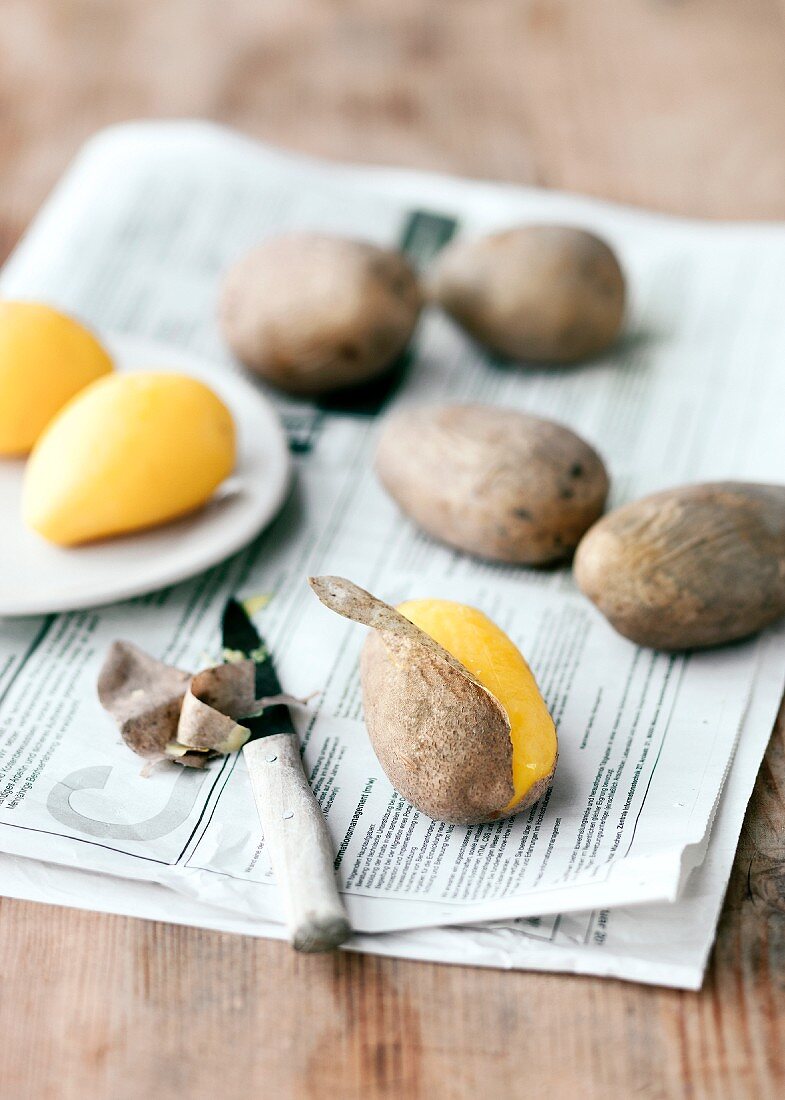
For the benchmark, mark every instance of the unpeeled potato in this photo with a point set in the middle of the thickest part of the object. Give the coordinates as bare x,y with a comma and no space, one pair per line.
45,358
545,293
493,482
313,313
695,566
452,709
130,451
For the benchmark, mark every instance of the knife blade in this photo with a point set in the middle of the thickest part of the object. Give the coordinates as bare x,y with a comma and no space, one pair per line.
295,832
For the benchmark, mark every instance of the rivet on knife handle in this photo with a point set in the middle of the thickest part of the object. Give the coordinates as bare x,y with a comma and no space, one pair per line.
298,843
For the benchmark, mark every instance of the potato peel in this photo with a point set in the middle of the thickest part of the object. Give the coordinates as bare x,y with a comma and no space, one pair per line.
165,713
144,696
401,637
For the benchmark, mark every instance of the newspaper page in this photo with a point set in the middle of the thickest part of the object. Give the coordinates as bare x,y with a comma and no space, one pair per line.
134,241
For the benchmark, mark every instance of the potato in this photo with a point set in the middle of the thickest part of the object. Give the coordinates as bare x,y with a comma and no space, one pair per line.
45,358
452,709
494,482
548,293
130,451
312,313
690,567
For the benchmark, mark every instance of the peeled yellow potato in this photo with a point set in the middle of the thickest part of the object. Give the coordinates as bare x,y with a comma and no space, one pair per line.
45,358
131,451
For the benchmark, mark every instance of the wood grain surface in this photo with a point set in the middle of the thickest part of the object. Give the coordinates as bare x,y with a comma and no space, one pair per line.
673,105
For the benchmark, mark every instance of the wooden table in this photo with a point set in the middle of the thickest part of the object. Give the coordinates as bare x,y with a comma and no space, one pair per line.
673,105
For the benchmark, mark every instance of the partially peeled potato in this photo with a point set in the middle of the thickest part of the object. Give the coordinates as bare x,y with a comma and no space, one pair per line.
452,709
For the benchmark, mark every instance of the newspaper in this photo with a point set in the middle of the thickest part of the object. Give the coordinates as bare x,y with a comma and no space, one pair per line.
134,240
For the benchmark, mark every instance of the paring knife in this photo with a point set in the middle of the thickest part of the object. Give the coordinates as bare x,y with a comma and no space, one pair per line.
295,832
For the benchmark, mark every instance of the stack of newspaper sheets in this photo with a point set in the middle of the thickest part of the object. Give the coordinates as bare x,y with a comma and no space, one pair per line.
621,868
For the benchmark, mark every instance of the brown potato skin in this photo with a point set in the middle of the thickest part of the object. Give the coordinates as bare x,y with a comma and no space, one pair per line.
312,313
444,745
543,293
690,567
493,482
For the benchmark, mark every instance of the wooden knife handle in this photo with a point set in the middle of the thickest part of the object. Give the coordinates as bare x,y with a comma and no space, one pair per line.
298,843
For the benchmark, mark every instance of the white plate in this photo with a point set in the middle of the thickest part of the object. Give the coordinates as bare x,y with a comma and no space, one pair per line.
37,578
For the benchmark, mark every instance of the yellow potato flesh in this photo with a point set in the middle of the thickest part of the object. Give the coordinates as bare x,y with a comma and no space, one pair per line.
45,358
129,452
486,651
